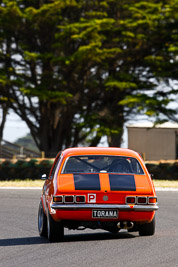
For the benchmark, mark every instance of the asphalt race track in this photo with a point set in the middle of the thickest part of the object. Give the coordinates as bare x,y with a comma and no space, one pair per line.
20,244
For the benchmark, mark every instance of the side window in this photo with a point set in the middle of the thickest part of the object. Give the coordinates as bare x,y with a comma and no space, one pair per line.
137,169
52,171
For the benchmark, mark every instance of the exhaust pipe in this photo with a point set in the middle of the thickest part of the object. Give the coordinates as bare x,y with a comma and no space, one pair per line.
125,225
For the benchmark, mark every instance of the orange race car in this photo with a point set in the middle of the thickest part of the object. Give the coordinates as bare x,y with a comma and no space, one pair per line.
106,188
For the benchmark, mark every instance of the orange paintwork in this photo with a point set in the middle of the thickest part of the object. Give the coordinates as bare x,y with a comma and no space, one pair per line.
63,184
104,182
66,183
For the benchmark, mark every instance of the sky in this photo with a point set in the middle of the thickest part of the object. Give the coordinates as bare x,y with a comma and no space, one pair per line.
14,128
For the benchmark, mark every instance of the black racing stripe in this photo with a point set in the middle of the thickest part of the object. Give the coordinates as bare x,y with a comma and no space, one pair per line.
119,182
87,181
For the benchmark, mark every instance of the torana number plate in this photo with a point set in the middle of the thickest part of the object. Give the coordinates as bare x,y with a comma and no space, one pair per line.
105,214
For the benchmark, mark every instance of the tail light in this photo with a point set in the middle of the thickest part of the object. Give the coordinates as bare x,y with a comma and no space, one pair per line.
68,199
130,200
152,200
80,199
141,200
58,199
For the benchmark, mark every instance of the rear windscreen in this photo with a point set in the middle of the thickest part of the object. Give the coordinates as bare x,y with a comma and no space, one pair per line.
102,163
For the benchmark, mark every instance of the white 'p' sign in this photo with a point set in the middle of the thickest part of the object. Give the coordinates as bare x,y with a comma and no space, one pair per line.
91,198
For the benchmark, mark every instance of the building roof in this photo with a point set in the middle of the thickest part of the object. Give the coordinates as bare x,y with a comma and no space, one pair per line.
166,125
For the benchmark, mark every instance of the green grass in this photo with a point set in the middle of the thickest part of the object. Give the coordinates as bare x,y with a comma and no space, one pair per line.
39,183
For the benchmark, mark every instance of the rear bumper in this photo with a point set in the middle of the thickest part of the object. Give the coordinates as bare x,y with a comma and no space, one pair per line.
104,206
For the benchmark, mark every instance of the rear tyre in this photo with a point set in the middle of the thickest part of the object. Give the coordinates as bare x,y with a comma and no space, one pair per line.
55,229
42,221
147,229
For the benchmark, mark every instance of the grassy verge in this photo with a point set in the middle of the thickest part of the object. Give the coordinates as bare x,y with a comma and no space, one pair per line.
166,183
20,183
39,183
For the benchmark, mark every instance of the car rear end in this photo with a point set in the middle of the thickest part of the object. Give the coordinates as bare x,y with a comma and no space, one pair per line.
96,191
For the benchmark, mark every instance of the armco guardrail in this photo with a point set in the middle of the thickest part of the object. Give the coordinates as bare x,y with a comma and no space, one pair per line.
9,150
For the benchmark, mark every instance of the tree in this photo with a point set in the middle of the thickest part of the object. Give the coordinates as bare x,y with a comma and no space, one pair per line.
134,56
30,71
77,70
4,112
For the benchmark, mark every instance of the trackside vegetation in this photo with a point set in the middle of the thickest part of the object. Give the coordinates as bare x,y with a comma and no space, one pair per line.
23,170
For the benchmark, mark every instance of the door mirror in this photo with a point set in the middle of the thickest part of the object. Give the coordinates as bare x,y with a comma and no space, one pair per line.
44,177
